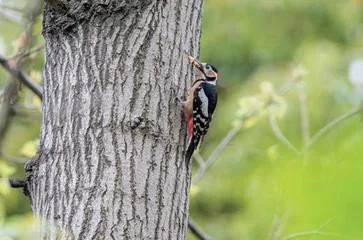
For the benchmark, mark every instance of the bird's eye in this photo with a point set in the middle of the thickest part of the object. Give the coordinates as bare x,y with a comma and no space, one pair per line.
207,67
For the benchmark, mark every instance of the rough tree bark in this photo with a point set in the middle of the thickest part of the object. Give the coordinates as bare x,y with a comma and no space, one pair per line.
110,163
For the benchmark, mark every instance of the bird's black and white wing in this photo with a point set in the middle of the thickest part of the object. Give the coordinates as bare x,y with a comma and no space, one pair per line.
204,104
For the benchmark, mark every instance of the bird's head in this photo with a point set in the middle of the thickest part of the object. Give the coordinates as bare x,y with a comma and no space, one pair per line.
205,70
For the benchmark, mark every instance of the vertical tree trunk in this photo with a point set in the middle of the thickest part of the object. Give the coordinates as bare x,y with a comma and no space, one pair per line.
110,163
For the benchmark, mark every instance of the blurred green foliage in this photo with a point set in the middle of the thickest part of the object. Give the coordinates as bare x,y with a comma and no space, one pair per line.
258,188
16,221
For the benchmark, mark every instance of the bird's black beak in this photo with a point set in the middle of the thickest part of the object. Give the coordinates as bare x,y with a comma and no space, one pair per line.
196,63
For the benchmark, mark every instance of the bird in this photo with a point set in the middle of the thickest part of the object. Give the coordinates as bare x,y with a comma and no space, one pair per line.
200,104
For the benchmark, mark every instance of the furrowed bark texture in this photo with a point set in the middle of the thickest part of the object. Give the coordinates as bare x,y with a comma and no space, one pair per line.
110,163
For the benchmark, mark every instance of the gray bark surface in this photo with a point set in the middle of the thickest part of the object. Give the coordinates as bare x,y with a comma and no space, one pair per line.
110,163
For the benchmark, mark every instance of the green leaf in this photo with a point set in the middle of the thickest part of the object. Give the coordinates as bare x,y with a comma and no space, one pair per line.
6,170
4,187
29,148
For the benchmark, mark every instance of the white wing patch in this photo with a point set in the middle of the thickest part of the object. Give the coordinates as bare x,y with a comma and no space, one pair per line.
204,99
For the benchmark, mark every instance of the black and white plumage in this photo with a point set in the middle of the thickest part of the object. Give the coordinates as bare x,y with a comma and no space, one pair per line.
200,104
204,104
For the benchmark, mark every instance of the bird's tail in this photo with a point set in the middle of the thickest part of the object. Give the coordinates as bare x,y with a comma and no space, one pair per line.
193,143
189,152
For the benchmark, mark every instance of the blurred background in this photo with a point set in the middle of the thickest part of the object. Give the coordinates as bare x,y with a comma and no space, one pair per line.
288,128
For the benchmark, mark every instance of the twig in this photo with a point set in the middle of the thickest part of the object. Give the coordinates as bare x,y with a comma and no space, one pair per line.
279,220
314,232
9,97
13,17
305,128
332,124
12,8
11,93
199,159
26,54
273,233
324,225
14,159
15,70
221,146
17,183
277,131
20,183
196,230
287,86
23,77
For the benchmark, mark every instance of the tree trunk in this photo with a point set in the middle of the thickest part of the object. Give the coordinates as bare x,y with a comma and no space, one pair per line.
110,163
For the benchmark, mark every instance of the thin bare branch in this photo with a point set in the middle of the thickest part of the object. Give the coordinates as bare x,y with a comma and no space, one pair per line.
199,159
279,221
314,232
276,222
305,128
10,16
17,183
27,54
23,77
287,86
221,146
20,183
196,230
12,8
11,93
333,124
324,224
278,133
14,159
9,97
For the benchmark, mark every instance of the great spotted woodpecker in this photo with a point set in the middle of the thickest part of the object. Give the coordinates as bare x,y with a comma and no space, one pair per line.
200,104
